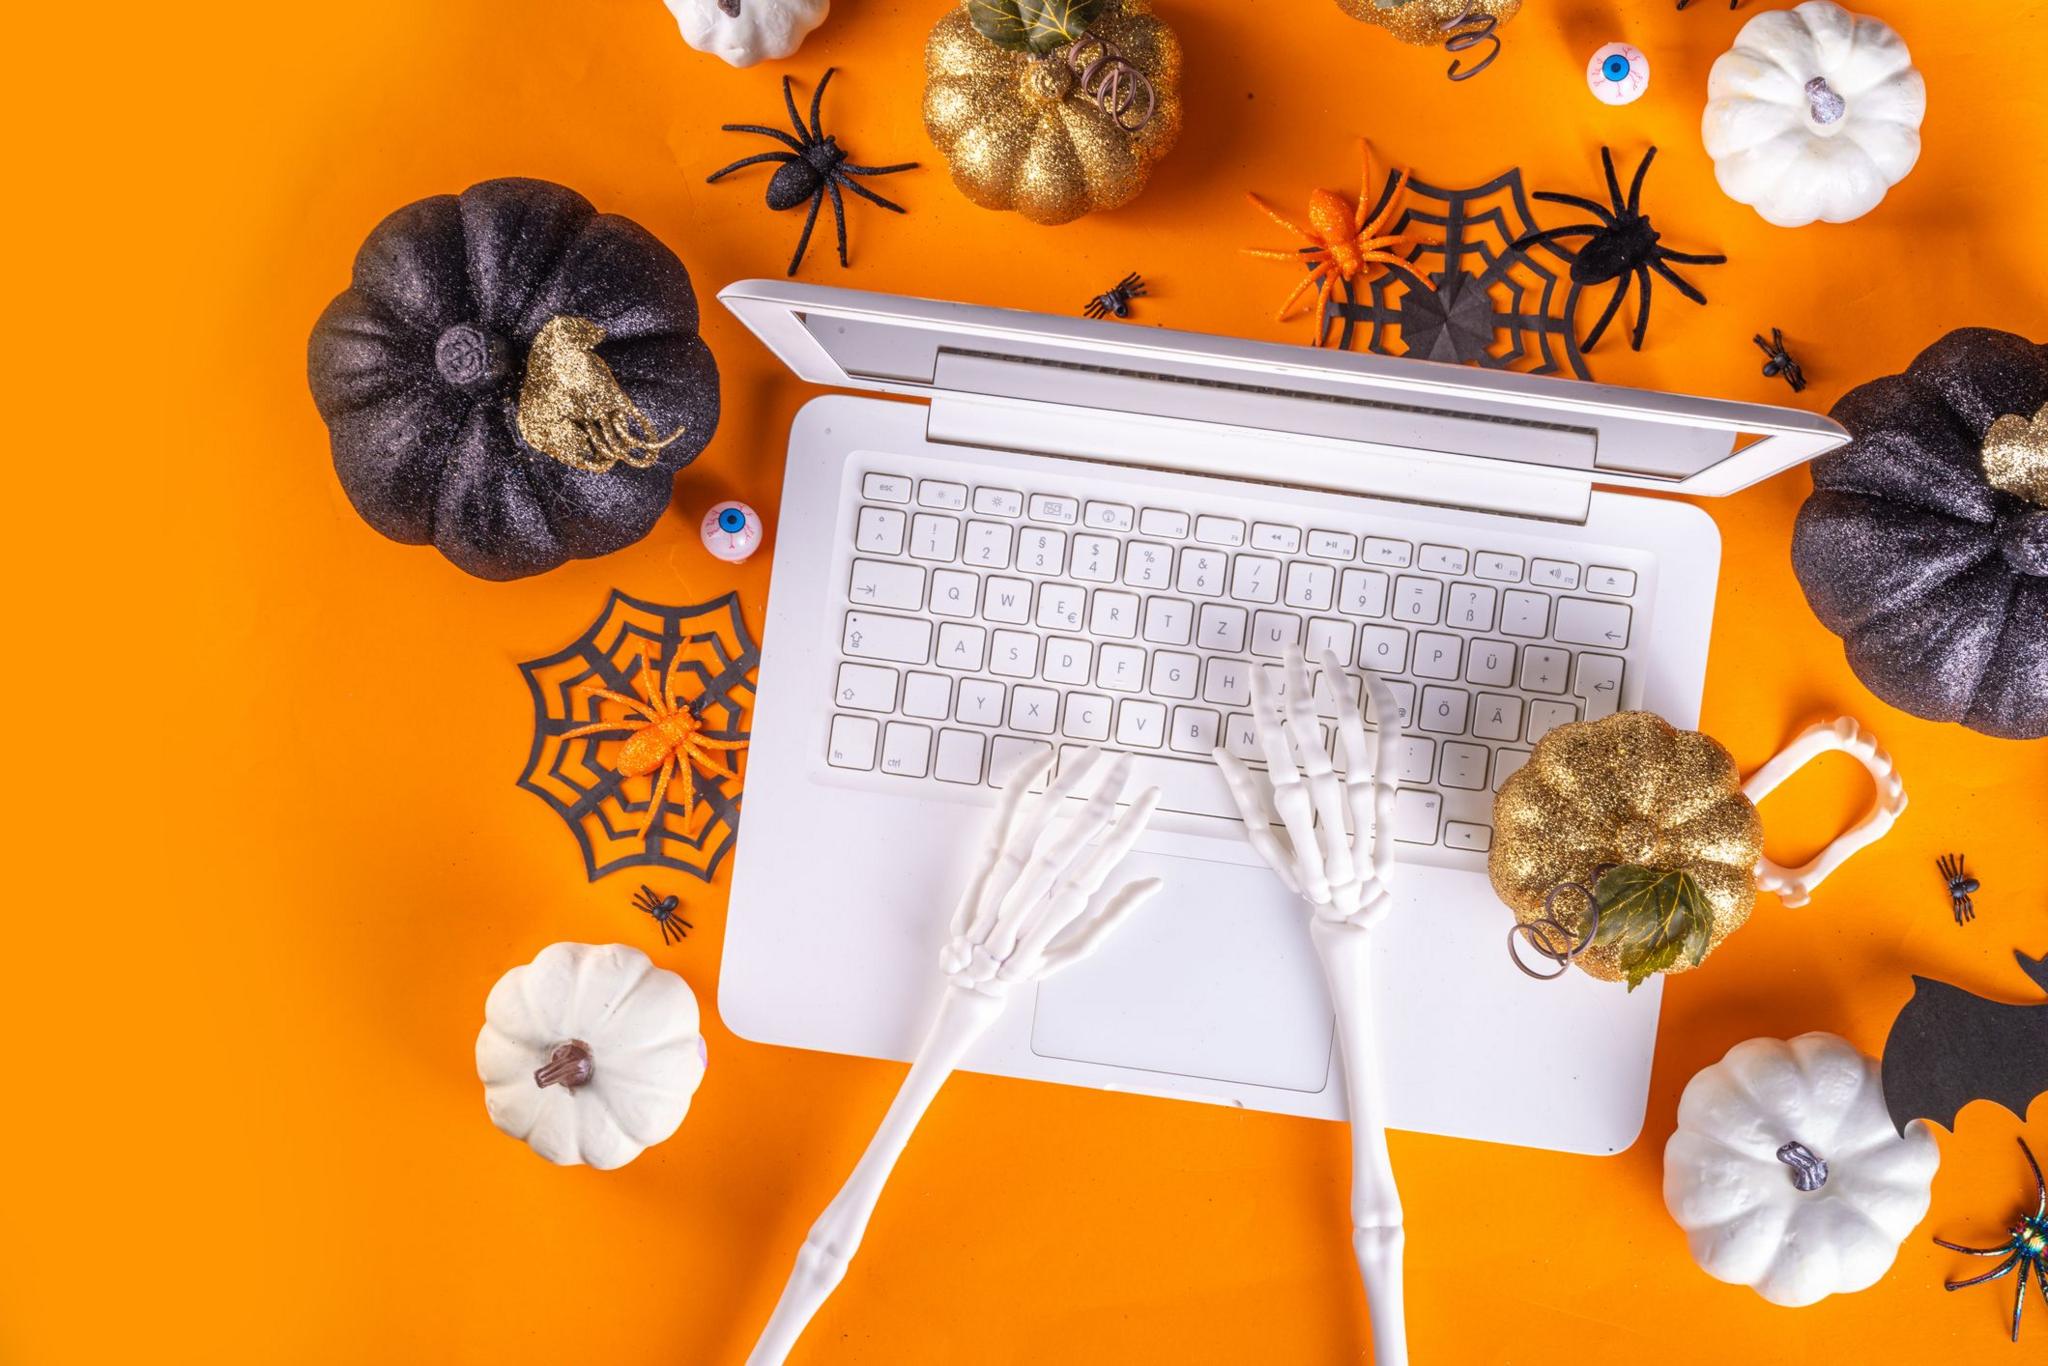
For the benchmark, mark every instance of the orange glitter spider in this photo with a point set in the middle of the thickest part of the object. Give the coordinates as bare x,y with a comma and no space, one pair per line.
1342,245
665,735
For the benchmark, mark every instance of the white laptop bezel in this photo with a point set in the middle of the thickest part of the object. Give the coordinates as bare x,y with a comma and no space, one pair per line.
1781,437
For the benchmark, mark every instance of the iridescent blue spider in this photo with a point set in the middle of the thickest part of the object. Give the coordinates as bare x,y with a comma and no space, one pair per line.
2026,1249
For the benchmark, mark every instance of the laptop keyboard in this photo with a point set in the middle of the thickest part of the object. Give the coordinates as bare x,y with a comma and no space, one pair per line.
984,622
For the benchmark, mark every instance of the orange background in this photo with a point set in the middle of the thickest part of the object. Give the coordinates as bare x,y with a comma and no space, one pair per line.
267,857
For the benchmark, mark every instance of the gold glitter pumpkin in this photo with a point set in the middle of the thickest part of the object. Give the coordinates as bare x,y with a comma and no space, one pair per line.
1423,21
1020,133
1626,789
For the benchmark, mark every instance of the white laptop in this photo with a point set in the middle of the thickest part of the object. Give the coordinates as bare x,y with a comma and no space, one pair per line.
1057,532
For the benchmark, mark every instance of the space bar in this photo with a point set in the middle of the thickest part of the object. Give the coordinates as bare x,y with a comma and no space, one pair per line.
1193,787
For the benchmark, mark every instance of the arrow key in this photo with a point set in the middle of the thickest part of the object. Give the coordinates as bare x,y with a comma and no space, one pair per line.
866,687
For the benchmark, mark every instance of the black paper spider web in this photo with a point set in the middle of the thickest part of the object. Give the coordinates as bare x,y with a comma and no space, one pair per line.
1483,288
602,808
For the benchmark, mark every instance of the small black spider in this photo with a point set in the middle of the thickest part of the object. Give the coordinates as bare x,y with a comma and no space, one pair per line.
1960,885
2026,1248
1117,298
1778,361
667,913
1621,247
814,166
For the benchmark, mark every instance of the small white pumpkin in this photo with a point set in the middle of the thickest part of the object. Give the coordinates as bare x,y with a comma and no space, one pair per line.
742,32
590,1053
1786,1173
1813,114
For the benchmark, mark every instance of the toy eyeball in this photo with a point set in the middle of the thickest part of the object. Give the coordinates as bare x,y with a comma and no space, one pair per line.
732,531
1618,74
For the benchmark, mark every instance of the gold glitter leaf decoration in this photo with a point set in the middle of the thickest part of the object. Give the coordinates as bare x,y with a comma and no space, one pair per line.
1036,26
1423,22
2016,455
1019,133
1627,789
1652,918
572,408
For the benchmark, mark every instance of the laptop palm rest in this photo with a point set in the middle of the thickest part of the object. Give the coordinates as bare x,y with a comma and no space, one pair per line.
1215,978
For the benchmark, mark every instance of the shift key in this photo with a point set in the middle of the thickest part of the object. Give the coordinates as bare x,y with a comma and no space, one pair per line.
872,635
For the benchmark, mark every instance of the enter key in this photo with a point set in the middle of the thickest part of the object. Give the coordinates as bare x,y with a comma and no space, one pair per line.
1581,621
1598,685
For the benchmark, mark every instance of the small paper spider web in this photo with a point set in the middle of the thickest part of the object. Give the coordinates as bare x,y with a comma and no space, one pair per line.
604,809
1512,298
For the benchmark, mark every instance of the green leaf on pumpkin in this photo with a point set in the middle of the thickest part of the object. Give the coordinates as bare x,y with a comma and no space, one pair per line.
1655,917
1034,26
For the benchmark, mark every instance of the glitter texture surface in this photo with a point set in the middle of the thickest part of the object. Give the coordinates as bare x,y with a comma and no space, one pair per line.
2016,456
1628,788
1422,21
1936,577
1018,133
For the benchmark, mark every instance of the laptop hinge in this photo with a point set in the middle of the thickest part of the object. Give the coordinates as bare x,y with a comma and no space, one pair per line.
1221,450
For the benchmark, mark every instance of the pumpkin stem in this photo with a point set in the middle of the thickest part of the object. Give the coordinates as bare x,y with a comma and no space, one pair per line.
1809,1168
569,1065
1823,103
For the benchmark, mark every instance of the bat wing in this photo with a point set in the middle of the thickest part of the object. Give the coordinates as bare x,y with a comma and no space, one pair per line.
1949,1047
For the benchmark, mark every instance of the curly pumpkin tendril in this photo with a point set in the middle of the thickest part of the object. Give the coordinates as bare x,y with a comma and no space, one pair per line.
1550,937
1105,76
572,409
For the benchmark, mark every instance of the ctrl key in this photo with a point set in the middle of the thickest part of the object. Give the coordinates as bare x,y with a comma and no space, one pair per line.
853,742
1416,814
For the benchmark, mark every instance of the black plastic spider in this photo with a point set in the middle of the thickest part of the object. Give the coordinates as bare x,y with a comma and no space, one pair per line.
667,913
1117,298
1778,361
1622,247
2026,1248
814,166
1960,885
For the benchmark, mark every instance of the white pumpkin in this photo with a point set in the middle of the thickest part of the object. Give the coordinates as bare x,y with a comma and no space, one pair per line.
1813,114
590,1053
743,32
1786,1173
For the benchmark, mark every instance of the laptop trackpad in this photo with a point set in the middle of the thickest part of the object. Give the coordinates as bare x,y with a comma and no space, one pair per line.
1214,978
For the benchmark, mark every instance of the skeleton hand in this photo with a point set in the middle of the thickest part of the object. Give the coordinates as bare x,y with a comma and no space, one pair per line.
1022,916
1326,817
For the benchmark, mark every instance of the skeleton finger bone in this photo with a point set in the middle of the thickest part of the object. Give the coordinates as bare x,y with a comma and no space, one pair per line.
992,841
1244,794
1066,903
1079,945
1022,837
1290,795
1325,791
1027,901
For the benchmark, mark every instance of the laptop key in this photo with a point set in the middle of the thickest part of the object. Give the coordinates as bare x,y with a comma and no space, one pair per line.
853,742
1007,754
1598,684
883,583
900,640
1415,816
906,749
885,488
867,687
959,759
1582,621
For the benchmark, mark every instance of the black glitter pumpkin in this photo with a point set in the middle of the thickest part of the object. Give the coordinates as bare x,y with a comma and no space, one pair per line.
420,369
1935,576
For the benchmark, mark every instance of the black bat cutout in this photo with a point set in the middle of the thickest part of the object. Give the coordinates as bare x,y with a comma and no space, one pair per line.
1949,1047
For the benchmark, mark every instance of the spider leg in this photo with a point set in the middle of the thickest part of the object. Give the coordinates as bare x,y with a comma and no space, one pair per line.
2040,1186
668,768
1694,258
1606,315
716,176
1386,213
593,690
2019,1295
810,221
1965,910
1267,254
1577,202
1685,287
1998,1251
1635,187
1308,281
1282,219
852,169
710,743
789,102
864,192
669,680
817,103
1322,308
1635,341
1614,198
1553,234
839,217
599,728
2004,1268
776,133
